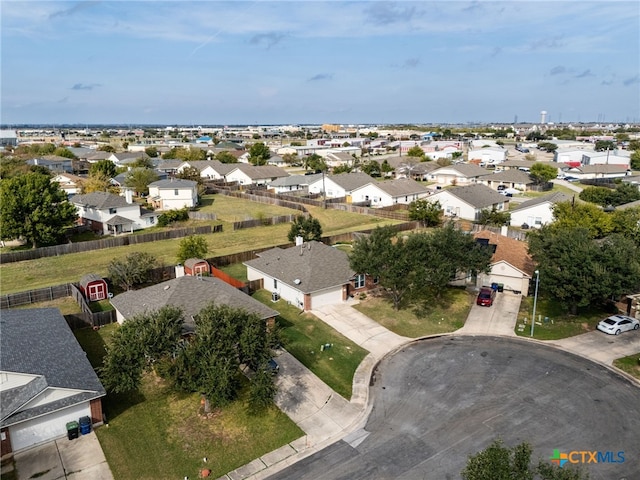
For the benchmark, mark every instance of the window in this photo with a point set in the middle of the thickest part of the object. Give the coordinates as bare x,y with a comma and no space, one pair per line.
359,281
113,211
376,280
175,191
538,220
275,283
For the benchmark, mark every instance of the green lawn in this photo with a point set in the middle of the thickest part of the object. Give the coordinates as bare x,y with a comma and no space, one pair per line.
43,272
630,364
303,335
232,209
419,319
158,433
559,324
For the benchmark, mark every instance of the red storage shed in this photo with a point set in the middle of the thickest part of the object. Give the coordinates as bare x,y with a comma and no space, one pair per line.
94,287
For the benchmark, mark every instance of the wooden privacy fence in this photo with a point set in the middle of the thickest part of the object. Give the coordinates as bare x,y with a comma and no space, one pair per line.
257,222
103,243
35,296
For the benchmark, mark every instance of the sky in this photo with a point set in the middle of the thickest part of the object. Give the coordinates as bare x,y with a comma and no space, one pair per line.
307,62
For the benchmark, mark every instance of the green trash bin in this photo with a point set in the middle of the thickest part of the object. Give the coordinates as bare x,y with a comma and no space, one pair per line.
73,430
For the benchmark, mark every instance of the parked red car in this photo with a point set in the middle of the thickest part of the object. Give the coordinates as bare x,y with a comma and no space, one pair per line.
486,296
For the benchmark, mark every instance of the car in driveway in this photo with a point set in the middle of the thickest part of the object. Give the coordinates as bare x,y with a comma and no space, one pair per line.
616,324
486,296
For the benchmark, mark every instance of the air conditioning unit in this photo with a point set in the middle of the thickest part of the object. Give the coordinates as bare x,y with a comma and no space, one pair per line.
275,296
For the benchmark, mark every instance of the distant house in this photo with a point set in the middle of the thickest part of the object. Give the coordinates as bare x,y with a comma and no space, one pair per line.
459,174
487,155
390,192
411,167
245,174
293,183
127,158
587,172
191,294
468,201
341,185
53,162
538,211
173,193
47,380
94,287
107,213
616,157
196,266
68,182
508,179
308,275
511,264
210,169
8,138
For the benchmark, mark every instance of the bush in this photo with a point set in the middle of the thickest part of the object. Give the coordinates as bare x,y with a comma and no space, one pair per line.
172,216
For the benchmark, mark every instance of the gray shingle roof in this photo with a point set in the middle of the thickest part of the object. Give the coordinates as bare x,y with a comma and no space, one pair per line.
100,200
477,195
509,176
555,197
351,181
39,342
174,183
261,171
295,180
398,187
119,220
315,264
191,294
468,170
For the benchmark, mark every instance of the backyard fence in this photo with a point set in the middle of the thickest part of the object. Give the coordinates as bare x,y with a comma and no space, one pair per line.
46,294
258,222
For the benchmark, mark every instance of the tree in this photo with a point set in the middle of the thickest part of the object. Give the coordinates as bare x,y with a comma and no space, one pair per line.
316,163
415,151
635,160
371,168
308,228
151,152
342,169
193,246
190,173
259,154
602,145
105,167
142,162
226,157
569,215
106,148
494,217
139,179
98,182
64,152
135,269
429,214
499,462
34,208
262,389
542,173
598,195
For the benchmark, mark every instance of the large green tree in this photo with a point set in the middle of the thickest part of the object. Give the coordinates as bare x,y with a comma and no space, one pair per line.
308,228
193,246
429,214
416,152
34,208
139,179
105,167
133,270
259,154
226,157
542,172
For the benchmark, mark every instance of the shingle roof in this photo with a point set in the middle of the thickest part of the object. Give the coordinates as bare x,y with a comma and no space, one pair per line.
295,180
191,294
192,262
100,200
351,181
555,197
174,183
398,187
465,169
259,172
477,195
509,250
316,266
511,176
118,220
39,342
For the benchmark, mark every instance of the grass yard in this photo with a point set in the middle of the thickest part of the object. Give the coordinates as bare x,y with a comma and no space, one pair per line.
419,319
630,364
237,271
66,305
303,334
44,272
560,324
158,433
232,209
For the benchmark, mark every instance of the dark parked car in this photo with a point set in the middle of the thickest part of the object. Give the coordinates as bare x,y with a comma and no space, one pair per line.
486,296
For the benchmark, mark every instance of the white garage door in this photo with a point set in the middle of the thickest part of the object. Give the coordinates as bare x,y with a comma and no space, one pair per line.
44,429
328,297
510,283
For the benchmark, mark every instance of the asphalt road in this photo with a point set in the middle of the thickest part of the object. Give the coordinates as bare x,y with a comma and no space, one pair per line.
438,401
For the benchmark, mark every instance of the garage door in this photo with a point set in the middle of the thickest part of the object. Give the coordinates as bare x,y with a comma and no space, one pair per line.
44,429
328,297
510,283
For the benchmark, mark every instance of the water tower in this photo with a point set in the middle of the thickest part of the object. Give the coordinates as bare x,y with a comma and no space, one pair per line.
543,117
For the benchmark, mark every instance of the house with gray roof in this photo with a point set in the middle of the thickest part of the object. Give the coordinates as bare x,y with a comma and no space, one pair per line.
293,183
107,213
341,185
390,192
191,294
512,178
537,212
458,174
308,275
246,174
173,194
468,201
46,380
210,169
54,163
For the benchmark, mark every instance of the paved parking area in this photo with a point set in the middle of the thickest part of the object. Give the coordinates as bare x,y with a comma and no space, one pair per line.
602,347
499,319
79,459
439,400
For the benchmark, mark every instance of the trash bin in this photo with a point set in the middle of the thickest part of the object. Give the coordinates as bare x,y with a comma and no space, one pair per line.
501,287
85,425
494,286
72,430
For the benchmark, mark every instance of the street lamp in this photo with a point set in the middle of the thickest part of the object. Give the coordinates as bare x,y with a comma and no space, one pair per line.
535,301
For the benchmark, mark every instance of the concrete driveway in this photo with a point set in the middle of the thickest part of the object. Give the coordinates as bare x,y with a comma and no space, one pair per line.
78,459
600,347
499,319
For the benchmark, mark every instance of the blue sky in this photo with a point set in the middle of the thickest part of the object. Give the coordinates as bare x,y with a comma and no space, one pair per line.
303,62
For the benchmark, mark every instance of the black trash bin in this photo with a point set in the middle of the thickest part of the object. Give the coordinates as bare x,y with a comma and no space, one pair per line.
501,287
85,425
72,430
